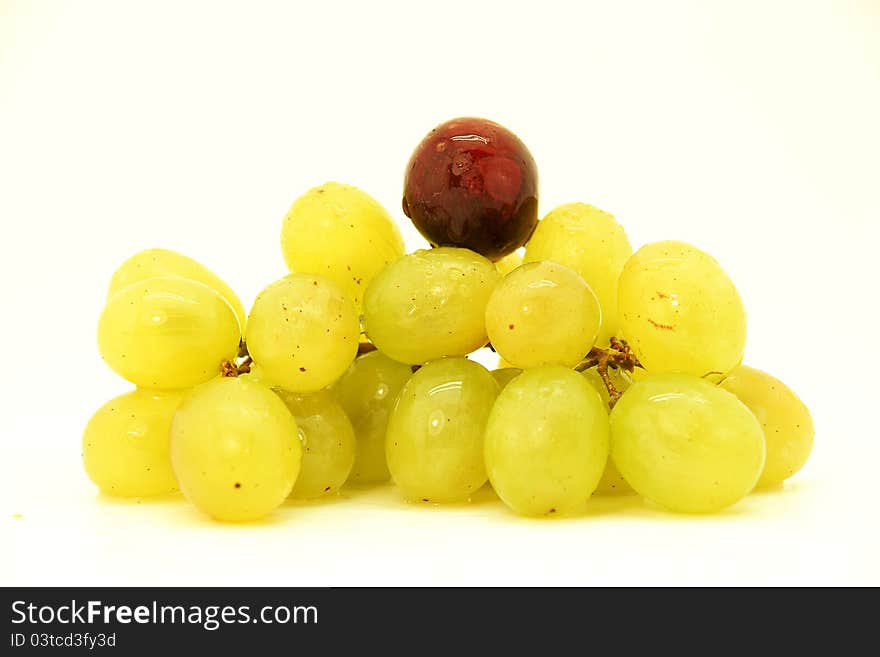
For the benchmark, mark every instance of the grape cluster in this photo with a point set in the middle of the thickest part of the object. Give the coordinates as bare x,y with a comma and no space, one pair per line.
620,372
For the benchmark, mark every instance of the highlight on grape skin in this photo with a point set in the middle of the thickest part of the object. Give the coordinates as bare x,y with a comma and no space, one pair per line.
619,373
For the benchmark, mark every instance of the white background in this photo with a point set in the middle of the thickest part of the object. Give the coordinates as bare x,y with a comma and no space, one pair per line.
747,128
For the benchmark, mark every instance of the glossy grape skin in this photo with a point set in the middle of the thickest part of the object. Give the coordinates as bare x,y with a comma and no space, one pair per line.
612,482
509,262
434,442
367,392
543,313
327,439
126,444
592,243
234,449
546,442
150,263
167,332
685,443
788,426
472,183
680,311
430,304
303,331
505,375
342,233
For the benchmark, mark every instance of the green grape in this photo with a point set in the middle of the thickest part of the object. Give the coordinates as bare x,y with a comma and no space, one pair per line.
592,243
367,392
680,312
342,233
167,332
686,444
234,449
303,331
612,482
546,441
125,446
434,442
509,262
788,427
543,313
150,263
430,304
505,375
327,439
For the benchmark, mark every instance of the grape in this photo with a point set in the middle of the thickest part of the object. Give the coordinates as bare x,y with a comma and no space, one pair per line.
434,442
367,392
234,449
546,441
685,443
472,183
592,243
509,262
303,331
505,375
167,332
125,446
543,313
612,482
680,312
342,233
430,304
788,427
150,263
327,439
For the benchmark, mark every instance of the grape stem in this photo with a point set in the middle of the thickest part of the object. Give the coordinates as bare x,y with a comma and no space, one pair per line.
241,364
619,354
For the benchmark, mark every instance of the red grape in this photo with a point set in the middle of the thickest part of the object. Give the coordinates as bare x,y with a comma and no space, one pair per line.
472,183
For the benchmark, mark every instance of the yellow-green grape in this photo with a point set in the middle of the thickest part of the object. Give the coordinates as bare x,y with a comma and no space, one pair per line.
303,331
505,375
543,313
367,392
788,427
612,482
342,233
546,441
167,332
327,439
430,304
592,243
680,312
125,446
150,263
234,449
434,442
686,444
509,262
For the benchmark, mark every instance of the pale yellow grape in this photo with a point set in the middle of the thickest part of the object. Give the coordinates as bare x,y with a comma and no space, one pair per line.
685,443
430,304
505,375
592,243
612,482
367,392
327,439
303,332
163,262
342,233
434,442
546,441
543,313
234,449
125,446
167,332
509,262
680,312
788,427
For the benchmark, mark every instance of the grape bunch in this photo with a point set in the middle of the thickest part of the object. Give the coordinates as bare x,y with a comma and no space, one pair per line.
619,372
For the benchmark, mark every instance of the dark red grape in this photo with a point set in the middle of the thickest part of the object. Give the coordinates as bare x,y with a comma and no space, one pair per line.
472,183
